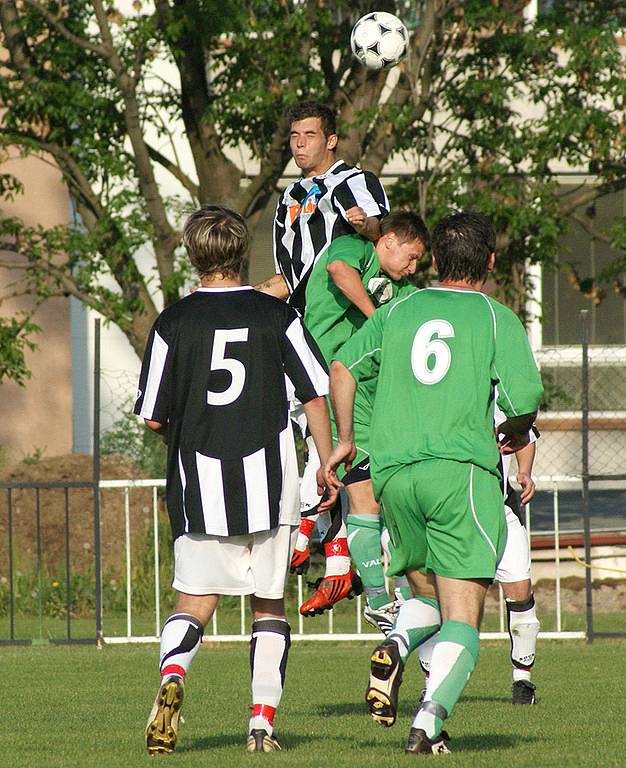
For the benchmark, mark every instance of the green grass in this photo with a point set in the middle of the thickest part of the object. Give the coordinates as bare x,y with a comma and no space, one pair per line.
229,622
85,707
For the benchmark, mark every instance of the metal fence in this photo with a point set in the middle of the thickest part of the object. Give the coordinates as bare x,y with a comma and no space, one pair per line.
113,565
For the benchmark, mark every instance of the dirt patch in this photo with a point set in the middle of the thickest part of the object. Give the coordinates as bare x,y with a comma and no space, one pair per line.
53,528
609,596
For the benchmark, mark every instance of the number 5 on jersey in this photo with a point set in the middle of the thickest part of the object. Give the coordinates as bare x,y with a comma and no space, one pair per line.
219,362
425,347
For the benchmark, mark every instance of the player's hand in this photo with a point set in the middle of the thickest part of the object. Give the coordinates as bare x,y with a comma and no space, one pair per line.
343,453
327,492
357,217
528,487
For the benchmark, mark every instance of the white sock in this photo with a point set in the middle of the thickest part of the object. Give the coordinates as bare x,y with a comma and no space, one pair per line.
269,648
181,637
426,652
523,626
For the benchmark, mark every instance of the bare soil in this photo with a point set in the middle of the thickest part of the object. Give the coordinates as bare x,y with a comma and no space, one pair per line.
39,521
609,596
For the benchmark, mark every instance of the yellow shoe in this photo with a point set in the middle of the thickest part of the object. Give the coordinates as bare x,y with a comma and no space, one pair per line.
162,727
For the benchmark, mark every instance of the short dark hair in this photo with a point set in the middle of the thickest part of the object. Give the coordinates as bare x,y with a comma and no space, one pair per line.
305,109
462,244
407,225
216,240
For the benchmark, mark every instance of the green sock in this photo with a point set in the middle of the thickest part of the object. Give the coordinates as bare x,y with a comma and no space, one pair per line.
364,545
453,660
417,620
401,588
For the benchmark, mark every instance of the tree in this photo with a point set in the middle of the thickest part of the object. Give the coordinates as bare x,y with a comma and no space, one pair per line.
82,86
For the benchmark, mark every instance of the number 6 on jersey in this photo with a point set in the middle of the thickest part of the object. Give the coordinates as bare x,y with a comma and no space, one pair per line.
425,346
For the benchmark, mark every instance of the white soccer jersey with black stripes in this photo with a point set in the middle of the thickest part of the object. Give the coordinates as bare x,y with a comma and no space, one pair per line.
215,371
311,213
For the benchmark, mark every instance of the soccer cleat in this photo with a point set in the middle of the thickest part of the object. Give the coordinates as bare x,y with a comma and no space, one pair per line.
260,741
300,561
382,618
523,692
381,696
330,590
162,727
418,743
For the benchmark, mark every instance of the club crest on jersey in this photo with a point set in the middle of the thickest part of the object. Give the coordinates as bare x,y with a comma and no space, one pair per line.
307,206
380,289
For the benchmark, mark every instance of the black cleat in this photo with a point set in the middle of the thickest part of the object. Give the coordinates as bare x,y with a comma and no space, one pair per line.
523,692
260,741
382,618
162,727
418,743
381,696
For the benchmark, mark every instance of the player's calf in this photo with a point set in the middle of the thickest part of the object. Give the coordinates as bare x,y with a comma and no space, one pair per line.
180,640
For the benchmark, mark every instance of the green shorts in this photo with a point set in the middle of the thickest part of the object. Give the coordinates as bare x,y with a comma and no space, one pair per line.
444,517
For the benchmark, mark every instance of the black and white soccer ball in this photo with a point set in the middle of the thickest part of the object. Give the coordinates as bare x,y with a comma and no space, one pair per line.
379,40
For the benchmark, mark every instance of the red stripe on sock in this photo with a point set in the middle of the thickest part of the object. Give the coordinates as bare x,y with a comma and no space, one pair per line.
264,710
306,525
337,548
173,669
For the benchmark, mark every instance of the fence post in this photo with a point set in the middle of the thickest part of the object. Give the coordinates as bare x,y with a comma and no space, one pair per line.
96,480
584,321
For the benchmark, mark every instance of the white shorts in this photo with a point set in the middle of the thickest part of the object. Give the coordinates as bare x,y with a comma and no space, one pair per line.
515,562
251,564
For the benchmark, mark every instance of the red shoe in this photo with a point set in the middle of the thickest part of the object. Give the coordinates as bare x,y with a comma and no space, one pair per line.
300,561
330,590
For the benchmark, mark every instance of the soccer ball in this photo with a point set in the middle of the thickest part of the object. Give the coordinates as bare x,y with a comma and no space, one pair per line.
379,40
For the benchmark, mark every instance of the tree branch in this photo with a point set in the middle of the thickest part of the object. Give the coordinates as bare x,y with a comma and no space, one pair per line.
587,194
165,238
16,43
175,170
64,31
590,229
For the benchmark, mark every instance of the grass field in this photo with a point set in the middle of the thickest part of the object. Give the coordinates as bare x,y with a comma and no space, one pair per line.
84,707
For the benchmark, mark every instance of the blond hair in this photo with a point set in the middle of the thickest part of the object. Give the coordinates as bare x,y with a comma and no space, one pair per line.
216,240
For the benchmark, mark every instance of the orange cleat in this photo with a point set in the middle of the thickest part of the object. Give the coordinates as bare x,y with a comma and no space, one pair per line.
330,590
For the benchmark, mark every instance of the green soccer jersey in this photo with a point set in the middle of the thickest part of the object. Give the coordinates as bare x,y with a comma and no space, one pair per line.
330,317
438,353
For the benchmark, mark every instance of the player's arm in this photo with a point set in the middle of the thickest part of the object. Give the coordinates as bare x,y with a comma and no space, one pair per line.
318,423
155,379
519,384
348,280
367,226
274,286
525,459
362,201
358,358
307,371
342,390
